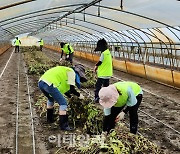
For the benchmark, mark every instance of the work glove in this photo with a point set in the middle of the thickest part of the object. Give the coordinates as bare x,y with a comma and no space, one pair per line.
104,133
120,116
81,96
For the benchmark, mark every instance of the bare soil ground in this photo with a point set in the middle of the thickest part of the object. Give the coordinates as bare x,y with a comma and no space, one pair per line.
164,105
11,94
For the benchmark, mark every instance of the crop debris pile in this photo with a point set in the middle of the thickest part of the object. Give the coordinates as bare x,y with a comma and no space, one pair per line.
85,114
91,79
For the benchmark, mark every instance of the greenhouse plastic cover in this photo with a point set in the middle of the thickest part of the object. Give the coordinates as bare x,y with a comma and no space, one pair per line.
89,20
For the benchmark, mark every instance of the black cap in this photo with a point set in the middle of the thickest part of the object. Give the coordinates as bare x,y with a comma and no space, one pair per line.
101,45
62,44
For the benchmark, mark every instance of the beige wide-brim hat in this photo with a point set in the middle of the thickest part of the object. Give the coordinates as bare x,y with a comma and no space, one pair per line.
108,96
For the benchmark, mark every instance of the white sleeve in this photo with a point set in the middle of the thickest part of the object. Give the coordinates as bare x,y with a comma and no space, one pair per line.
71,78
101,57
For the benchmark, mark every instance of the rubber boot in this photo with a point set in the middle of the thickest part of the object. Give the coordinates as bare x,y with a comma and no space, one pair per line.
133,130
63,123
50,115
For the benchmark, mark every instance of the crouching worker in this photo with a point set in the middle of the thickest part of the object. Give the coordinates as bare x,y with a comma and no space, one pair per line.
58,81
118,99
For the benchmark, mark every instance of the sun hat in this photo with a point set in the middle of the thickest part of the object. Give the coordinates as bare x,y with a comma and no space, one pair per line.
108,96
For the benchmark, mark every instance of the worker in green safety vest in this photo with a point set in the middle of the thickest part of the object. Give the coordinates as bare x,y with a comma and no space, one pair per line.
68,50
41,43
17,43
118,99
57,81
103,68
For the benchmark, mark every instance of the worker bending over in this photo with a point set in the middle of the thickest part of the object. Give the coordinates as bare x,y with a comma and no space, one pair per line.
58,81
65,47
118,99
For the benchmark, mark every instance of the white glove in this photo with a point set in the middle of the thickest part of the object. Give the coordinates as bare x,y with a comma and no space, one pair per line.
67,56
60,59
120,116
104,134
81,96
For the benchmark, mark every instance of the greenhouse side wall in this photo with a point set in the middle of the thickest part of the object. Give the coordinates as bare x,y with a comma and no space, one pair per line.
164,76
4,47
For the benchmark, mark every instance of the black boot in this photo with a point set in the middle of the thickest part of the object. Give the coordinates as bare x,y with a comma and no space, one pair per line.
133,130
50,115
63,122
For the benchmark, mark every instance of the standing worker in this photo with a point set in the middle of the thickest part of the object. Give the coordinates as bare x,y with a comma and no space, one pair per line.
103,67
118,99
65,47
17,43
57,81
41,43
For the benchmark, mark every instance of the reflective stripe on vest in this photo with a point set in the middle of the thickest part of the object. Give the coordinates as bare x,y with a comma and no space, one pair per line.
105,69
17,43
122,87
58,77
66,50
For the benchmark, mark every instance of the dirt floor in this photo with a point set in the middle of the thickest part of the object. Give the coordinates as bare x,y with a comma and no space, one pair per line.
11,94
159,101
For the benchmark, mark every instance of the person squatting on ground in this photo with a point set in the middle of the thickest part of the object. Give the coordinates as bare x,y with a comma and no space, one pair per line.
41,43
17,43
118,99
69,51
57,81
103,67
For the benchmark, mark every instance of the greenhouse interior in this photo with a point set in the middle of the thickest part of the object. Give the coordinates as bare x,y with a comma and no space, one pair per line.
90,77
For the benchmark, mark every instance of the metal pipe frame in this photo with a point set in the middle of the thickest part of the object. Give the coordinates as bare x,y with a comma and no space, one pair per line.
133,35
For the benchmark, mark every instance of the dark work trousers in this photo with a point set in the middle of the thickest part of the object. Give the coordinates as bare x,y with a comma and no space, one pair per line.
100,82
16,48
41,47
133,115
70,58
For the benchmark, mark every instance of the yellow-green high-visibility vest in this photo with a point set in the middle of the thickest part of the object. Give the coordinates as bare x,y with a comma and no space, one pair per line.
17,42
66,50
41,42
58,77
105,69
122,87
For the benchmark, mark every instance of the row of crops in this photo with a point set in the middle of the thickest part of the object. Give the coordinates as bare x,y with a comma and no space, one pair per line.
84,115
